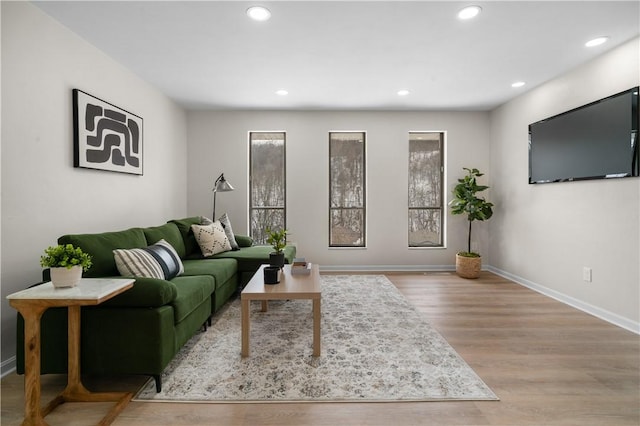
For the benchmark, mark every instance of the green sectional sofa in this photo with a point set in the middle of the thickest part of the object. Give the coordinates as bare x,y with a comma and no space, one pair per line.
142,329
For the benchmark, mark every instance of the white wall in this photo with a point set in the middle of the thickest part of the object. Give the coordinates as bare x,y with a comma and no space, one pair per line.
546,234
43,195
541,235
218,142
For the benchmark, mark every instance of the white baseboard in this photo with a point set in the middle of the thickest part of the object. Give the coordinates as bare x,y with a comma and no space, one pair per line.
8,366
603,314
386,268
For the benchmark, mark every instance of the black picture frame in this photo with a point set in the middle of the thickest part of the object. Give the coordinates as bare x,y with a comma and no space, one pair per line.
106,137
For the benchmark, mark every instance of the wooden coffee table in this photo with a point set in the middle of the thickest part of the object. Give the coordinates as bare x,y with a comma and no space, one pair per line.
290,287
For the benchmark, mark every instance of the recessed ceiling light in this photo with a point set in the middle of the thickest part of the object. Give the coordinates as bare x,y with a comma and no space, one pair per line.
518,84
596,41
469,12
258,13
403,92
282,92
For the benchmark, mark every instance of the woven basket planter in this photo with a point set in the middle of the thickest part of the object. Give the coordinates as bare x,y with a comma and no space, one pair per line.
468,267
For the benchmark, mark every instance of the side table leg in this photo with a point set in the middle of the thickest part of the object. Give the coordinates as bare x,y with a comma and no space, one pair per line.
32,412
316,327
74,389
245,327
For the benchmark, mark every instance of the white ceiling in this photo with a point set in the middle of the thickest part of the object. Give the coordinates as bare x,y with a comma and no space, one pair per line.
347,54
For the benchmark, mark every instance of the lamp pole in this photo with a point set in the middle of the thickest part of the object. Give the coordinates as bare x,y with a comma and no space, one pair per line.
220,185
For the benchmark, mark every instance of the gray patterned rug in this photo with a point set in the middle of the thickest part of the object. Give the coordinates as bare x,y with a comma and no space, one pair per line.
375,347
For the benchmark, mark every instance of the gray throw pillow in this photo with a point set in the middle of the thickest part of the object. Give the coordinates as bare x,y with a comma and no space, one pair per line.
226,224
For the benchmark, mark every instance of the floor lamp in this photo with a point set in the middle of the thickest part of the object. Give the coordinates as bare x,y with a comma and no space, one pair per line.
220,185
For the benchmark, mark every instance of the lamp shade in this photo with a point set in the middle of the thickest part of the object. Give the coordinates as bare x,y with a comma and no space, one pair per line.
221,185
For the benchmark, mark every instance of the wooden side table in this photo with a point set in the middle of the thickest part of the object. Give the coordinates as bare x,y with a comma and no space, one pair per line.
32,303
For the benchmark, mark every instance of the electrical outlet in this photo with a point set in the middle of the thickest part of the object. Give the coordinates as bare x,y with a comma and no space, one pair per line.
586,274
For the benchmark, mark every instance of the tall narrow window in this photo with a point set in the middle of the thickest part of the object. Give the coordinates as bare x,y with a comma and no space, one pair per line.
267,195
425,189
347,189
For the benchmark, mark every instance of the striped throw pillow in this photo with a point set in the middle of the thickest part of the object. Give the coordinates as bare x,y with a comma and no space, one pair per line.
159,260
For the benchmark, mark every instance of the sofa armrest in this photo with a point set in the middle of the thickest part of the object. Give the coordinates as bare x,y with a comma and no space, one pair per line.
243,240
145,293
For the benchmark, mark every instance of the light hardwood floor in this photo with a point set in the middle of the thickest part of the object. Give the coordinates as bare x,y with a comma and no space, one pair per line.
549,363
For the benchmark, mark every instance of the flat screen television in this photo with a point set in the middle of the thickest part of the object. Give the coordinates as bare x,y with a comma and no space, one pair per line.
595,141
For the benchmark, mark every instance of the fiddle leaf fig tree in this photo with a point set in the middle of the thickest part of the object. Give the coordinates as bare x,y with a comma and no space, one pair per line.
466,201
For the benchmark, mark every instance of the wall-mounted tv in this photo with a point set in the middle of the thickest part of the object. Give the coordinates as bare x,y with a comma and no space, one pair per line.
595,141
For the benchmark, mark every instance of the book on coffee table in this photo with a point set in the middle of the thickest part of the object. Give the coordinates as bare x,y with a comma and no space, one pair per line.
300,266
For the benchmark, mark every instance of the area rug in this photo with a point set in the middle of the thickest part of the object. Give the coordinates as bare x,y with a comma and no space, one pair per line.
375,347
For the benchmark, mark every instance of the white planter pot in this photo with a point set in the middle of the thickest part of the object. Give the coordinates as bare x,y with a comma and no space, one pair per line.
66,277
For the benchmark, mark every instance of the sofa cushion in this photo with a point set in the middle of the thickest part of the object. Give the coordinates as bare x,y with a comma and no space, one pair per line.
250,258
221,269
191,247
211,238
145,293
191,291
168,232
158,260
243,240
101,246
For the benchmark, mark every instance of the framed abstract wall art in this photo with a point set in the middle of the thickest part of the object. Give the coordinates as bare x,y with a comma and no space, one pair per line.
105,137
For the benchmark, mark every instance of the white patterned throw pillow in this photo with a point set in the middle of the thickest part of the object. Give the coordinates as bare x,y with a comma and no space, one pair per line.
211,238
226,224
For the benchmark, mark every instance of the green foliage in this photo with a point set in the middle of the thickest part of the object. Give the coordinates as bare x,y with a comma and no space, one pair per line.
277,239
65,256
466,201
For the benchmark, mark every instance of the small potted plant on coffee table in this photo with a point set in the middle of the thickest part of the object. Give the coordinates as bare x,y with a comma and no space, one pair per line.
278,240
465,201
66,264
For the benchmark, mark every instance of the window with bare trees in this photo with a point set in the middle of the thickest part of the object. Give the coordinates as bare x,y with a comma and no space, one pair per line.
267,196
426,169
347,189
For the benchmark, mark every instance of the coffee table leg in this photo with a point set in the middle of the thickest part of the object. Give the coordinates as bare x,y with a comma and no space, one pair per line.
245,327
316,327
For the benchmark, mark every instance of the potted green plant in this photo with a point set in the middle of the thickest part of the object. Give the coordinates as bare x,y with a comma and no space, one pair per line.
278,240
466,201
66,264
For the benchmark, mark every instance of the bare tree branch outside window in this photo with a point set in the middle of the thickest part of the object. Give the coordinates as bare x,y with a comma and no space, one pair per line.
267,197
347,189
426,168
